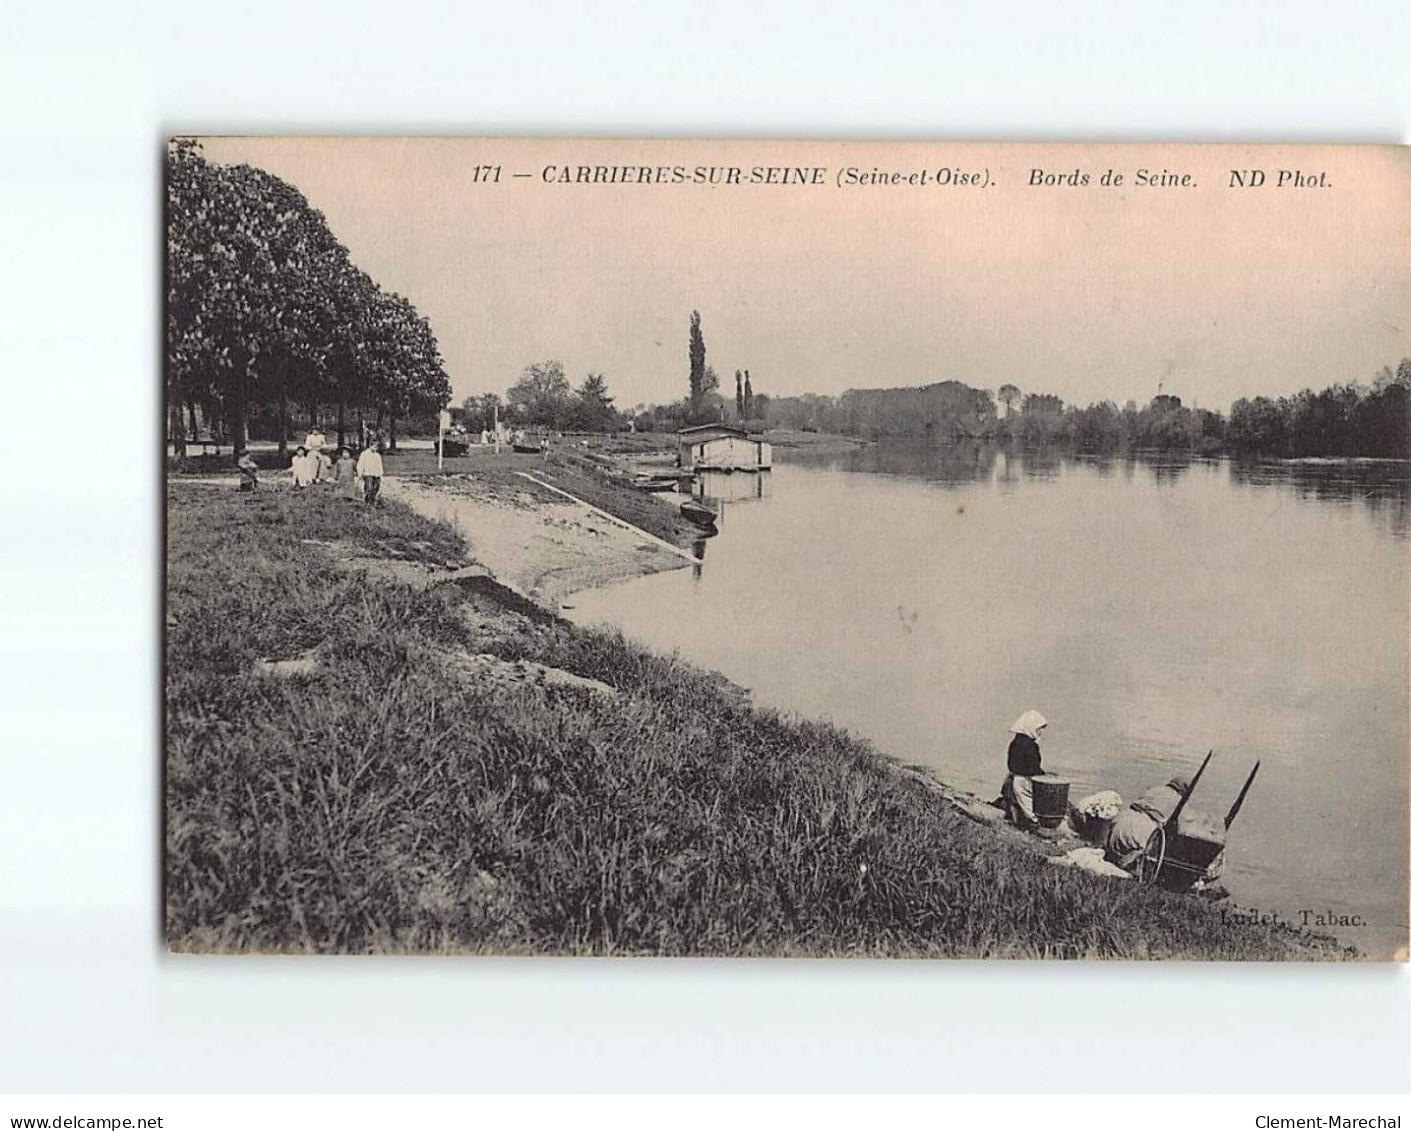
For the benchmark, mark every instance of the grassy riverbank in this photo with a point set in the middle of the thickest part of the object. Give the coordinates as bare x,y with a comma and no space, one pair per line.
450,768
599,475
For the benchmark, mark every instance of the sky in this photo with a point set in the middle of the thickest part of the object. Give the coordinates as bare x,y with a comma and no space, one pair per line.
1091,292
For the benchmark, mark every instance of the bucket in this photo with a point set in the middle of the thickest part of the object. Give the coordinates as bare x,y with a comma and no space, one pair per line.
1050,800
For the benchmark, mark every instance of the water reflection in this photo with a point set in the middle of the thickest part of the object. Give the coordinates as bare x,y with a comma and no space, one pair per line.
1041,463
1180,605
1008,468
1383,486
737,487
947,464
721,490
1167,469
1103,465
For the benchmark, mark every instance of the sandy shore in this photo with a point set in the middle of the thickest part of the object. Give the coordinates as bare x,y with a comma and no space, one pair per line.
543,550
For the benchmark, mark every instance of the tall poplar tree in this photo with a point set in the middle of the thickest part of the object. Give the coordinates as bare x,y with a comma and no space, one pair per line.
697,351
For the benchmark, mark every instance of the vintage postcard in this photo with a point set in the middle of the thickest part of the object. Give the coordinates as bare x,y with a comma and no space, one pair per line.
787,548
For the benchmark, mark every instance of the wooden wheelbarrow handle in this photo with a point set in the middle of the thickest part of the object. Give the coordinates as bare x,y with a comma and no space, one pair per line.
1239,801
1176,813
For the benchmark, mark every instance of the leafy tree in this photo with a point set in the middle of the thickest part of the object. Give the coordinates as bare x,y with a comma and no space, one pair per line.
697,353
1097,427
542,395
809,412
481,412
748,398
263,305
739,396
305,313
222,285
400,362
355,348
1041,421
1009,396
593,411
1383,419
1042,404
1257,426
252,271
1340,420
936,411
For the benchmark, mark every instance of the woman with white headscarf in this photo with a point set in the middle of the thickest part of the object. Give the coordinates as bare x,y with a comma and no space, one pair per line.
1017,795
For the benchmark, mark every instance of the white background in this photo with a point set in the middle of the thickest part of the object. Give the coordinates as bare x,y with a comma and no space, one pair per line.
88,1001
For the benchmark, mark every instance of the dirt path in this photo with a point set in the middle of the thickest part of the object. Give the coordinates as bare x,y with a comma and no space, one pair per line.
544,550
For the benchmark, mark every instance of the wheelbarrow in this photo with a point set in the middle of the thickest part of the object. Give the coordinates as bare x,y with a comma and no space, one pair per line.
1177,856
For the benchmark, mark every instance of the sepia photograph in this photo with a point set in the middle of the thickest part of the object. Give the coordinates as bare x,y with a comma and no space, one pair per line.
786,549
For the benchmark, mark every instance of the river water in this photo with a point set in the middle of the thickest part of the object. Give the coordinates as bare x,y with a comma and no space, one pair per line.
923,597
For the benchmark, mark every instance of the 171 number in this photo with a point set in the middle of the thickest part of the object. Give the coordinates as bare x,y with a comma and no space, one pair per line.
485,175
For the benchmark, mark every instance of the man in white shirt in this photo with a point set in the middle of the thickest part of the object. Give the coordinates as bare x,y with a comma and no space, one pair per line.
370,471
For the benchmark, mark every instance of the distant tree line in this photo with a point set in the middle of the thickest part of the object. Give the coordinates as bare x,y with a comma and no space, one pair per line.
751,414
1162,425
543,397
1341,420
947,410
266,314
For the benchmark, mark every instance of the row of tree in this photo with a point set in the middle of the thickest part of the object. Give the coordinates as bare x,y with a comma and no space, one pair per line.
1342,420
946,410
704,403
265,311
543,397
1162,425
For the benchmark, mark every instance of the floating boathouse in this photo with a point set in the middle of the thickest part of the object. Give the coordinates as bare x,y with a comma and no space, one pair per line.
721,447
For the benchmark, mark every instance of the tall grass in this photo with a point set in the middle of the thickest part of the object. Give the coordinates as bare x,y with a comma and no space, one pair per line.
389,802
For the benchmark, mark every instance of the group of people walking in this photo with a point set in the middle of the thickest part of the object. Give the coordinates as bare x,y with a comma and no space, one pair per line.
315,462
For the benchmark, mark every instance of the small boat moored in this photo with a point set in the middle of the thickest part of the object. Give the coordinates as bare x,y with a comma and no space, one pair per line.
656,483
699,513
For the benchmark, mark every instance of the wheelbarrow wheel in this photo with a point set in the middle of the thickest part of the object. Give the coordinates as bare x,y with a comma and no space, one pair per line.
1153,856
